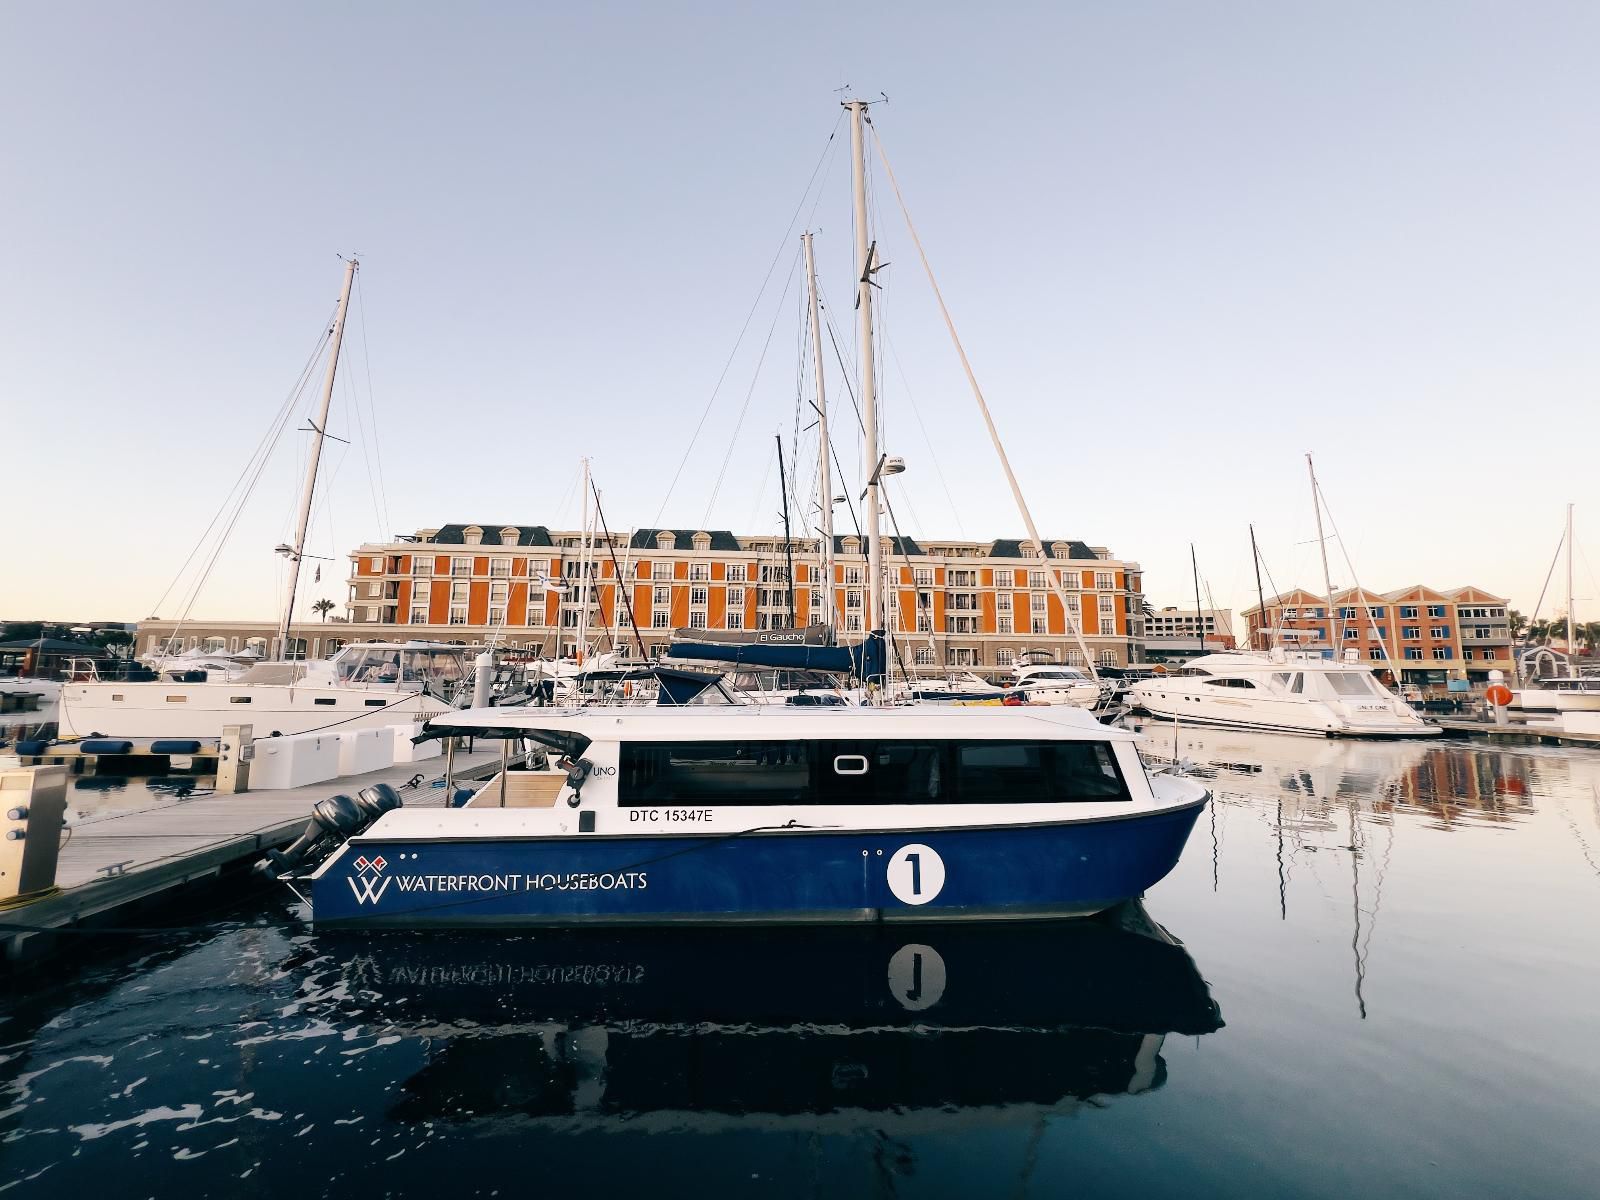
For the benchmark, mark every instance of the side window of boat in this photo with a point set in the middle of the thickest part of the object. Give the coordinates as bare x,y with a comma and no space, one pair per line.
714,773
1230,683
879,772
1024,772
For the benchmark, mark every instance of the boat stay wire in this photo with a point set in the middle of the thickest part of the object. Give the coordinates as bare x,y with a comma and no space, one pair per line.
744,328
244,485
1051,575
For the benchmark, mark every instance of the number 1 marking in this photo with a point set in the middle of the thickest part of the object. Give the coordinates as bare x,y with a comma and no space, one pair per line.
916,873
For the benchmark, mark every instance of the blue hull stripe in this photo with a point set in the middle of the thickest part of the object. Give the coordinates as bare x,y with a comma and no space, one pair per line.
945,874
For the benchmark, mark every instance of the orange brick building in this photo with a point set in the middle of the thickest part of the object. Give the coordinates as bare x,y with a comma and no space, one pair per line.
972,605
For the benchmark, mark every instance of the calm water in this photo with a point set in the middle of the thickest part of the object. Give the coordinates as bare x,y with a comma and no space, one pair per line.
1390,958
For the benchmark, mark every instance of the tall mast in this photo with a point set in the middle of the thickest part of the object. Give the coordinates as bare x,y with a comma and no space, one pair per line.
1572,646
583,572
788,544
824,466
1261,599
320,429
866,365
1322,545
1199,613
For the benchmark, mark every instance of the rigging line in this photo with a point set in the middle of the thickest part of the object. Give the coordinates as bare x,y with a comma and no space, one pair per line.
299,386
1052,574
938,467
1550,574
353,402
372,407
1361,592
743,329
755,378
221,541
621,586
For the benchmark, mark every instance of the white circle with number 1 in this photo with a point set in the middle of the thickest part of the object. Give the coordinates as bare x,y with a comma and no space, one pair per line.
916,874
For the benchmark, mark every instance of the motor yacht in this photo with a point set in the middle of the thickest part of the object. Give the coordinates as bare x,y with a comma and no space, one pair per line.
1280,691
365,685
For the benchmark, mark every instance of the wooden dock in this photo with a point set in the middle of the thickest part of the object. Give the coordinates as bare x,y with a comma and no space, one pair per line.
114,863
1519,732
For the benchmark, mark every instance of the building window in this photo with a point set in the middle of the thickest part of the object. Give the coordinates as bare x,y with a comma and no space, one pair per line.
698,596
536,613
1413,652
1108,606
924,656
736,573
419,616
1105,581
497,616
816,601
1004,623
658,619
1351,633
1108,658
1466,655
697,620
699,572
962,656
1040,625
1443,652
924,622
497,592
1439,631
1037,602
1036,579
1410,633
922,576
661,596
461,566
1004,656
500,566
1376,654
735,619
852,599
458,592
1002,602
1436,610
1408,612
421,565
736,597
458,616
852,575
852,622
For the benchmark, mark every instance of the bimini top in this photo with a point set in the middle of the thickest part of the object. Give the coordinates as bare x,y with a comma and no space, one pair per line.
773,722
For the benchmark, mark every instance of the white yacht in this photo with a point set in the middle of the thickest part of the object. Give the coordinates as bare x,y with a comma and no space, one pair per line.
363,686
1281,691
1042,680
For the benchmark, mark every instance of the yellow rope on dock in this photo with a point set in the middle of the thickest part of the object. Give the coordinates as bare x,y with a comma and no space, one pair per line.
27,898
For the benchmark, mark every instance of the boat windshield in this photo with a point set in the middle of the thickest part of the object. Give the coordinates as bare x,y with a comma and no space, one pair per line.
439,667
1352,683
1058,673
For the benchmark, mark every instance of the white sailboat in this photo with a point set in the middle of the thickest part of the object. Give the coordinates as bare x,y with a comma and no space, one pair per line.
365,685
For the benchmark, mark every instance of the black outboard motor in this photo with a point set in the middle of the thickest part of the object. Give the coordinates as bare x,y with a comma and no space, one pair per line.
333,821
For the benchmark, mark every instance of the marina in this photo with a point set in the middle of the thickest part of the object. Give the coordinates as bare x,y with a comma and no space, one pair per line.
596,606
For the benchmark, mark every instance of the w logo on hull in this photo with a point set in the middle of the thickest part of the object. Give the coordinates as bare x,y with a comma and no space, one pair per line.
368,889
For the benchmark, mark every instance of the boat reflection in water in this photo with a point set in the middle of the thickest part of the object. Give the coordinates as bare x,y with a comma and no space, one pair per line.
1449,782
819,1027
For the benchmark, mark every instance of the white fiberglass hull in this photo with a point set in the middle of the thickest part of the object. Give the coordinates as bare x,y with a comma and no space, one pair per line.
1534,700
202,710
1174,702
1576,701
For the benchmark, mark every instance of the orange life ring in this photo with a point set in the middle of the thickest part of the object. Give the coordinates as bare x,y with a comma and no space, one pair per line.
1498,694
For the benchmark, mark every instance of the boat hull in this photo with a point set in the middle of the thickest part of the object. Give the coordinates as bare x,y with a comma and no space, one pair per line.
774,876
203,710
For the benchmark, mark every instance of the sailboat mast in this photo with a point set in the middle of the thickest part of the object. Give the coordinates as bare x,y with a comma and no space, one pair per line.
1199,613
583,572
824,450
788,542
1261,599
867,366
1322,545
1572,646
320,429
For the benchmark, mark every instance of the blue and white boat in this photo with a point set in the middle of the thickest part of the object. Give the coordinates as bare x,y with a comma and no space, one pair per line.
756,813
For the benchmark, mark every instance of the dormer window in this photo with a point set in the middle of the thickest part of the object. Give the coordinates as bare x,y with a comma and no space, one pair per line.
665,540
702,541
472,535
852,545
1060,550
508,535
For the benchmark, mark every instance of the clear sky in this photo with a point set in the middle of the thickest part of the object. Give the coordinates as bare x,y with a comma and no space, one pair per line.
1184,243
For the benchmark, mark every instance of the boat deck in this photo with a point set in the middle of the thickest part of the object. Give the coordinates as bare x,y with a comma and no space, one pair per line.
114,862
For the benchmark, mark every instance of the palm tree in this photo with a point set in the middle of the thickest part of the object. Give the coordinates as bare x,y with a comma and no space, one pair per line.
324,607
1518,623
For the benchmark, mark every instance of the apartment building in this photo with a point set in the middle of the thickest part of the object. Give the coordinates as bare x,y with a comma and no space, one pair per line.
952,604
1174,634
1430,636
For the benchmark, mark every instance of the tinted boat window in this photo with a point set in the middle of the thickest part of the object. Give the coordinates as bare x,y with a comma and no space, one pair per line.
897,772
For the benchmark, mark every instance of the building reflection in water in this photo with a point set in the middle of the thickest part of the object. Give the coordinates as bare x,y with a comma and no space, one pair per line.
917,1028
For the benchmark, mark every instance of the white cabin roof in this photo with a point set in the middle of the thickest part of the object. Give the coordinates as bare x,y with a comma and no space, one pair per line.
782,722
1263,662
